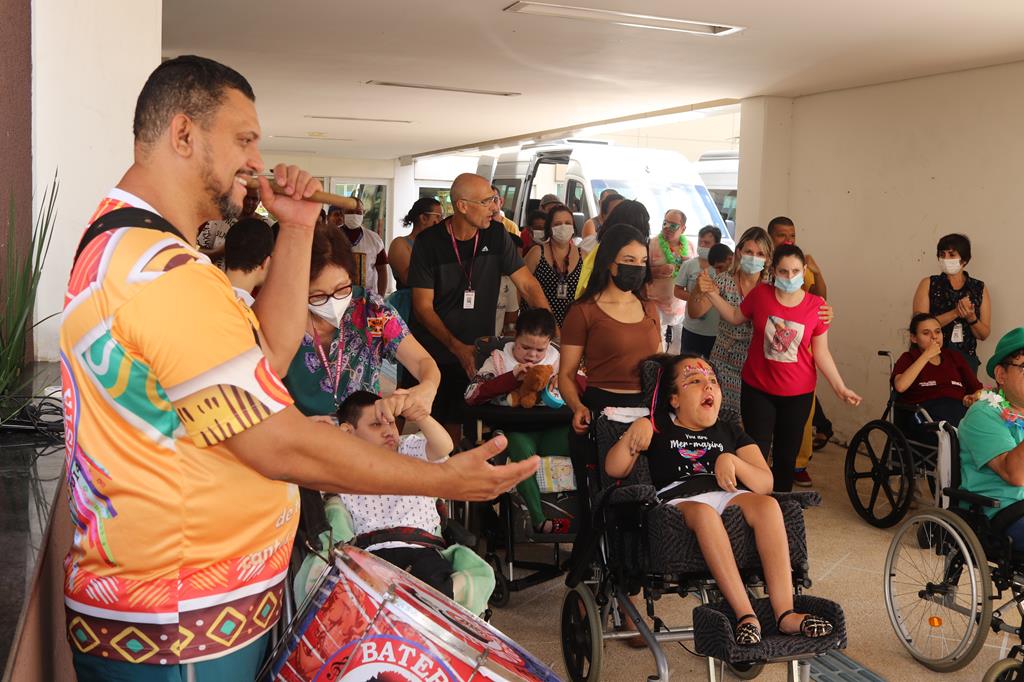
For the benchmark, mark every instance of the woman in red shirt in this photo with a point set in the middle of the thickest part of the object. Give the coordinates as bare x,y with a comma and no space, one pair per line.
932,376
788,343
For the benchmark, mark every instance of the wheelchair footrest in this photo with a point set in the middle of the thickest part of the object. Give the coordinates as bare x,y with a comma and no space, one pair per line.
714,628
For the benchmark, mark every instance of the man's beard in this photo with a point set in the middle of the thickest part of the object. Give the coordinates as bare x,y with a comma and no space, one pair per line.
220,198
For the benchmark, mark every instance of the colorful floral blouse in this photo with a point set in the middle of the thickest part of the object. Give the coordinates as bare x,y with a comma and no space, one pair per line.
371,330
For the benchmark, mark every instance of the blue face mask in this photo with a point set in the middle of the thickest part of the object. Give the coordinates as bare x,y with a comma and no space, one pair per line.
789,286
751,264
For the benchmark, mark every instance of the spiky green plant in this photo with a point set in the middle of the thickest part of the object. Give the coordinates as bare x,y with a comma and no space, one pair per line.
20,283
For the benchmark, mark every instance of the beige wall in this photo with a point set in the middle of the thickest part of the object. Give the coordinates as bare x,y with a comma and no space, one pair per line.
83,100
877,175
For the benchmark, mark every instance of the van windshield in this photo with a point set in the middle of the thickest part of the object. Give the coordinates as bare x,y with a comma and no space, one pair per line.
695,201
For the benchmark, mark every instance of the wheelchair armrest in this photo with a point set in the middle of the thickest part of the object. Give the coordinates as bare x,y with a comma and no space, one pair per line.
805,498
640,495
1006,517
969,498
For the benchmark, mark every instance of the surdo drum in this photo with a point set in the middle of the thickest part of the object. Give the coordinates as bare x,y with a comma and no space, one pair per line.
368,621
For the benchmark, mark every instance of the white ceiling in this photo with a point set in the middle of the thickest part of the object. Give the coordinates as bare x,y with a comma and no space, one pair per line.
314,56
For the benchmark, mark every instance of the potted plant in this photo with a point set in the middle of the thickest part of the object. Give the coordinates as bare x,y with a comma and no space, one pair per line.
18,295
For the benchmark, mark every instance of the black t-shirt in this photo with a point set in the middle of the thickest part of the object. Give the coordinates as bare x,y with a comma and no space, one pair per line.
682,462
434,266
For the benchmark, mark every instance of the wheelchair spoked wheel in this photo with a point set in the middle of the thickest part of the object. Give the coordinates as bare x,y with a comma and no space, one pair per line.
1005,670
879,474
582,635
502,592
937,590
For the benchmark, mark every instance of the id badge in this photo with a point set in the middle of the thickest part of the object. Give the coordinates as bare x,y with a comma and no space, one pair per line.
562,291
468,300
958,333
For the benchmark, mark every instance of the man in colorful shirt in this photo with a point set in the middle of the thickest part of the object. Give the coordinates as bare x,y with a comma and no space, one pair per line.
182,448
992,433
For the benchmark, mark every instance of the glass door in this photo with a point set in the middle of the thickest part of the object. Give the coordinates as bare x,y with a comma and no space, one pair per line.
373,194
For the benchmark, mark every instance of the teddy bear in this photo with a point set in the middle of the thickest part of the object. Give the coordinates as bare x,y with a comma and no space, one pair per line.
534,381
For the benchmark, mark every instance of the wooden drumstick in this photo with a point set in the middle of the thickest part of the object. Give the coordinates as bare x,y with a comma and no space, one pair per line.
320,197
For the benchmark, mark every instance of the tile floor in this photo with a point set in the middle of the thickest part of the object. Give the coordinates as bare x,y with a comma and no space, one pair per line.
847,559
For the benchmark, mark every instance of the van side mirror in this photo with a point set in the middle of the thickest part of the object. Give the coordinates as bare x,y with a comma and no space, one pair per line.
577,220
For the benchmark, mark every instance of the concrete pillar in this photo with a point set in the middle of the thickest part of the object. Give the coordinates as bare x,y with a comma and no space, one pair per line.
765,148
90,60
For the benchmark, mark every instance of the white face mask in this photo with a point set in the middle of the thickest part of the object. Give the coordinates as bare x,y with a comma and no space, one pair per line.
332,311
353,221
562,233
703,251
950,266
538,235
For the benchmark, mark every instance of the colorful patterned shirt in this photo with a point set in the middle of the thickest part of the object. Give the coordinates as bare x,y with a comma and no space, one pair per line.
373,330
180,550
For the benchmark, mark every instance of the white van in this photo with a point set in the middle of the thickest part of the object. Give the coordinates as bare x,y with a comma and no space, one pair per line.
577,171
720,171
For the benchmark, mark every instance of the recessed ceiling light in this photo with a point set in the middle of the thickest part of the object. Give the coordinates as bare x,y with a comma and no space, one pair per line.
355,118
444,88
629,19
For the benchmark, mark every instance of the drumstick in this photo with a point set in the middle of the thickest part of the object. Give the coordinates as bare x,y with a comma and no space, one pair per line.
318,197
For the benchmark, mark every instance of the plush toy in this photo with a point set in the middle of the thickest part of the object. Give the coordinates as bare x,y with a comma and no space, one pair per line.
534,381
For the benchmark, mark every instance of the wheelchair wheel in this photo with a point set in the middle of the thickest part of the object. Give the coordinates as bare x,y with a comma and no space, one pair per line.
938,590
745,671
582,640
1005,670
502,593
879,474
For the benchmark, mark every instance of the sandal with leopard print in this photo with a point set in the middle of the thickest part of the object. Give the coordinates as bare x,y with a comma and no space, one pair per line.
811,627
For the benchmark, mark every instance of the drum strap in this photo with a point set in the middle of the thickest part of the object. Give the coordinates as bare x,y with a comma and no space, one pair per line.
412,536
126,217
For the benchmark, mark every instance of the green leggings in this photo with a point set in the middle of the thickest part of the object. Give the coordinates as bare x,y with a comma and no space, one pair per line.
523,444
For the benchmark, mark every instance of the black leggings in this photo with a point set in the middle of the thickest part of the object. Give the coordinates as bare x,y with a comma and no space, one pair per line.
777,424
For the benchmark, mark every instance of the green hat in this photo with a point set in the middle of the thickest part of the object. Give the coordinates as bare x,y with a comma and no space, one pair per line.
1011,342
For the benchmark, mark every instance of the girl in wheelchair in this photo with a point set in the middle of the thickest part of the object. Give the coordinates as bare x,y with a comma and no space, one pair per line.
933,377
703,465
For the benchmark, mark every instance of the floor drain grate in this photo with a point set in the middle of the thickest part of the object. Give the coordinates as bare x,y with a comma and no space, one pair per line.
837,667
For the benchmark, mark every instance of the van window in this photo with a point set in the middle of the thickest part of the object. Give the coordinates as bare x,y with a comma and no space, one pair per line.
725,200
693,200
509,191
576,199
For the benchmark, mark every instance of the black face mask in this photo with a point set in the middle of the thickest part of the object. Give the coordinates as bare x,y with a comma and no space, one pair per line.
630,277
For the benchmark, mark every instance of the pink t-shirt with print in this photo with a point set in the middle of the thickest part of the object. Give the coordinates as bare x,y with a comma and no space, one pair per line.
779,361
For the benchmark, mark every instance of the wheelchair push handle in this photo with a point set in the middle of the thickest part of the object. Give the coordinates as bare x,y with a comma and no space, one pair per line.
888,354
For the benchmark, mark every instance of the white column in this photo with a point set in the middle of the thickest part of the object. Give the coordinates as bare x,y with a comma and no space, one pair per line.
765,149
89,61
403,196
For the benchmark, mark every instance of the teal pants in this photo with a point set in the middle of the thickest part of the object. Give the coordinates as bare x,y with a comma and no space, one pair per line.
524,444
238,666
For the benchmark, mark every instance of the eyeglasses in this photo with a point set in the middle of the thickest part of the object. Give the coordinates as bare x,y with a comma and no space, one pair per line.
484,202
1020,367
338,294
439,215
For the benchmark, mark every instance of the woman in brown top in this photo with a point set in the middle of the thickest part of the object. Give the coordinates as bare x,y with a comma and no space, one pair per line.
611,328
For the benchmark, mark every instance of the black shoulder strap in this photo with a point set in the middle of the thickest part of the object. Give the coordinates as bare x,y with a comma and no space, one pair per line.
125,217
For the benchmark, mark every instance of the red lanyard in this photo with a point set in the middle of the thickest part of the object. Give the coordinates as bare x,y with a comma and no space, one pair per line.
323,359
565,274
455,246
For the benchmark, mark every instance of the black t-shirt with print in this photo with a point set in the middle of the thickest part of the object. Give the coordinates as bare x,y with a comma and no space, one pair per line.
435,267
682,462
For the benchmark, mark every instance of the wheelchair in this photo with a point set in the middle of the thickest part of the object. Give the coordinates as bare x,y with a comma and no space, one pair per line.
511,526
945,569
636,544
883,465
